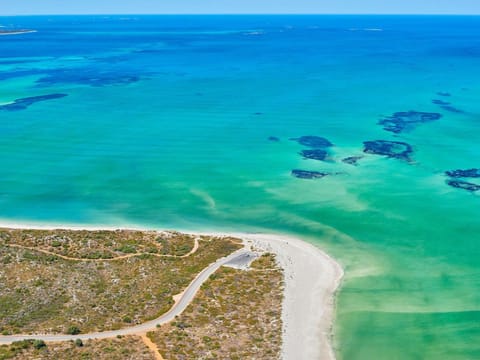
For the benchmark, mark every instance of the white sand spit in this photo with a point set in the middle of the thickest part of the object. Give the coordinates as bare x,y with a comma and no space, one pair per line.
311,280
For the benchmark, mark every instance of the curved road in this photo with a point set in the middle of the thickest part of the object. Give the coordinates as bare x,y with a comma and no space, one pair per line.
182,301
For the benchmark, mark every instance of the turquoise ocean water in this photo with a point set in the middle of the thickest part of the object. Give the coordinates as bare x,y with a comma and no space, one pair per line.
166,124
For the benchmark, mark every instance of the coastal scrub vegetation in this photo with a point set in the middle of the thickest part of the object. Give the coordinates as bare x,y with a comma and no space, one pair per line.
42,292
235,315
99,244
125,348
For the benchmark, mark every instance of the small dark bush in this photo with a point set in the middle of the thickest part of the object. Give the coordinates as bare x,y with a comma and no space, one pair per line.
39,344
73,330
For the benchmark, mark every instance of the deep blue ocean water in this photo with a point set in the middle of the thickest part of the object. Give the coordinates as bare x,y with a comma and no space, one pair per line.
186,122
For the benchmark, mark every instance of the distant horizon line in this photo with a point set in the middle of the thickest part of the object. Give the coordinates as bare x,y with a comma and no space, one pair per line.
244,14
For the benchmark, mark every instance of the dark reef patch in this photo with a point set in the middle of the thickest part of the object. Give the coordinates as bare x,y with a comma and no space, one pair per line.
407,120
305,174
469,173
313,141
440,102
82,76
86,77
463,185
352,160
5,75
392,149
13,62
452,109
22,104
315,154
115,59
273,138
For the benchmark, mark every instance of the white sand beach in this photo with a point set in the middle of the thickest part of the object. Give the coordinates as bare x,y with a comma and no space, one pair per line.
311,280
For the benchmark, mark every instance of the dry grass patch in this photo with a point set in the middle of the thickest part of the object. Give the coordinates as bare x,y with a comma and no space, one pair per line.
235,315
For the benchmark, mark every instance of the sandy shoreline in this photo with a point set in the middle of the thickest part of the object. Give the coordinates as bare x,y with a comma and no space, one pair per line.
311,280
6,33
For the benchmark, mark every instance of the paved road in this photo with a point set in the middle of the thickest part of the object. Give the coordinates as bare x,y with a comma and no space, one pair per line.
182,302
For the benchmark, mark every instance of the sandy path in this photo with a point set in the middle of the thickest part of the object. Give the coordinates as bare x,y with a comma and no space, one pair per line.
152,346
191,252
